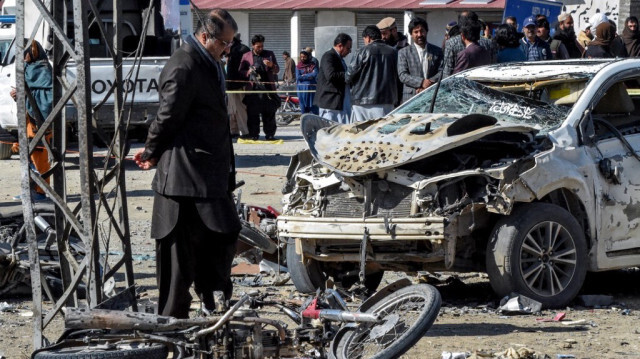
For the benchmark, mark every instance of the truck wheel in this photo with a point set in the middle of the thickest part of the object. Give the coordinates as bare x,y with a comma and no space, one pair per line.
538,251
5,151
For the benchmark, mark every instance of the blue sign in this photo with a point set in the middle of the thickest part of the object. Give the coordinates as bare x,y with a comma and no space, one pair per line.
522,9
7,19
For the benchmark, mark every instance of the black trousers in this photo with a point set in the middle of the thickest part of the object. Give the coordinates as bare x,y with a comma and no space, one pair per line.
255,108
192,254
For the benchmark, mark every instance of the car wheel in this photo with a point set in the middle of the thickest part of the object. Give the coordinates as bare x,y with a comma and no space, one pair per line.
538,251
306,275
309,275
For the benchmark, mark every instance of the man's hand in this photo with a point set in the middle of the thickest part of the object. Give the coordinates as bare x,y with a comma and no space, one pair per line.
267,63
13,93
426,83
145,165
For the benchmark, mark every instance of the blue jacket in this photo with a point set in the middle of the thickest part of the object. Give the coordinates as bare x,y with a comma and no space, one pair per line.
537,51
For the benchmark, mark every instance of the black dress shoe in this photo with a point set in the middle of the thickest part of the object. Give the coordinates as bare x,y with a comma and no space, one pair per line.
270,138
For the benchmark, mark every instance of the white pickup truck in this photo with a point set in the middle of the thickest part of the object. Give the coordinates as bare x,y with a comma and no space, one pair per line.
141,92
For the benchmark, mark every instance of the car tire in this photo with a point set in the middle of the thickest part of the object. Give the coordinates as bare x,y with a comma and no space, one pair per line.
307,276
522,259
310,275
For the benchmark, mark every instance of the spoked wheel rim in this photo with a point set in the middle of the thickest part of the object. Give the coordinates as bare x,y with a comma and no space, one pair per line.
548,258
398,316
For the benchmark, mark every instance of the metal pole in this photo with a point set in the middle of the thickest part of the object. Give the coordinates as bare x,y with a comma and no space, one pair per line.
25,176
120,144
85,149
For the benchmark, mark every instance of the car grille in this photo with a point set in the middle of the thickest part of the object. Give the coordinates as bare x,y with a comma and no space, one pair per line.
395,202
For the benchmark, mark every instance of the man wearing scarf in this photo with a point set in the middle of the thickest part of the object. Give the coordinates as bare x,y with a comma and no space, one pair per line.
194,221
567,36
39,81
306,74
600,47
631,36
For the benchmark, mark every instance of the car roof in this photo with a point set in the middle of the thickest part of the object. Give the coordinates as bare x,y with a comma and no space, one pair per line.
536,71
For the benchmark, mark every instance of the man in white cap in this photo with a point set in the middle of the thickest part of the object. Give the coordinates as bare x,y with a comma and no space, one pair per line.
390,34
566,36
395,39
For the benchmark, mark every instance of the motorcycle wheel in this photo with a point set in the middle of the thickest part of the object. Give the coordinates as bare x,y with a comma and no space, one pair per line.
256,238
91,351
407,314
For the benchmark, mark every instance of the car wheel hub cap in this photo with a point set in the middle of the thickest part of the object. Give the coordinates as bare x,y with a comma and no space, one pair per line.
548,258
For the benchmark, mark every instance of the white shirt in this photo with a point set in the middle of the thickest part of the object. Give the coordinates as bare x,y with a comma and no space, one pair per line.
422,52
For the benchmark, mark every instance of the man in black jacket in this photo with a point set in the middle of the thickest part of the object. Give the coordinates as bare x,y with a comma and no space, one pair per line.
332,94
194,222
373,77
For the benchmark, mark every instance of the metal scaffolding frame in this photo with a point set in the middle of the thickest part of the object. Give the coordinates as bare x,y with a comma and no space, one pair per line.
102,210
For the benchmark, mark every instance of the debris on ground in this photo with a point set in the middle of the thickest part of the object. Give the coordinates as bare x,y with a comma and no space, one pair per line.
6,307
592,300
557,318
266,273
455,355
437,278
510,353
519,304
245,269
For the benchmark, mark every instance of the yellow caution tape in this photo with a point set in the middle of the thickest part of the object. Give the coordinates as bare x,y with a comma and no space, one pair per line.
258,142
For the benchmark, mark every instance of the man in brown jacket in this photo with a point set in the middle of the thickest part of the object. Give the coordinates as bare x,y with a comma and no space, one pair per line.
289,76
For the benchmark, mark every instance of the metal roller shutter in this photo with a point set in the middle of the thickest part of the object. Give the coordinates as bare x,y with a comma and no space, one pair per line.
307,24
275,26
371,18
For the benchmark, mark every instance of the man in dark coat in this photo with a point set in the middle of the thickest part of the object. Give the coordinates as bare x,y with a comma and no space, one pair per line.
454,45
373,77
420,64
194,222
332,93
567,35
395,39
473,54
262,64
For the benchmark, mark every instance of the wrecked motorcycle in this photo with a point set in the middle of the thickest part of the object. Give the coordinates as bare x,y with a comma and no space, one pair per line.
385,326
258,229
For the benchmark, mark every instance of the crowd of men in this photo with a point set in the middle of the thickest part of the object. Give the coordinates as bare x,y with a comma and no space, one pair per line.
391,67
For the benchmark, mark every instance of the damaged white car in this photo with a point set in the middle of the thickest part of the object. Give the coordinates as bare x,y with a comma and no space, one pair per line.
529,172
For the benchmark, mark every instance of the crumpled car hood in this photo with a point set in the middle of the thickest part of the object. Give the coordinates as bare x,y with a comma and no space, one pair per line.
388,142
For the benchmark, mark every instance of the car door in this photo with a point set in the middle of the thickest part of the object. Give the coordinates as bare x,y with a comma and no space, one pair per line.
617,157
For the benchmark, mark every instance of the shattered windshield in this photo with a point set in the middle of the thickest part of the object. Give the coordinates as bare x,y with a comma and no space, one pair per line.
460,95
